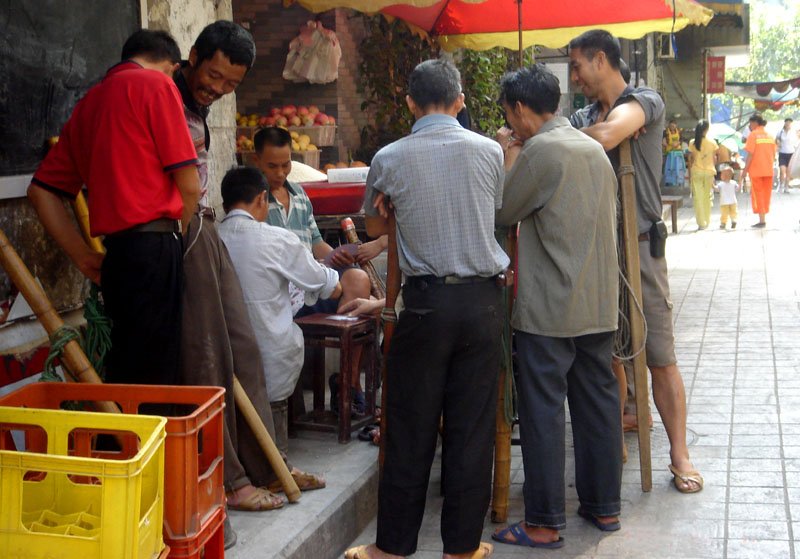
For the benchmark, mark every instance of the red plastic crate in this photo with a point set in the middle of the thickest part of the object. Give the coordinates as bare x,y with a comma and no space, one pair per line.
335,198
193,457
208,543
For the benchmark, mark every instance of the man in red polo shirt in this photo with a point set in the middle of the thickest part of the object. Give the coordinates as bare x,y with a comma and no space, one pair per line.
127,142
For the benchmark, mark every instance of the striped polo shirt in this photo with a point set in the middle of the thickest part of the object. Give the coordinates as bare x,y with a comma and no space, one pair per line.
300,215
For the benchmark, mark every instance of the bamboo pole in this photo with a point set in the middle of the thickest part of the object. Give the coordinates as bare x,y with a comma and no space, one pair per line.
350,234
502,437
81,211
265,441
389,319
630,233
74,359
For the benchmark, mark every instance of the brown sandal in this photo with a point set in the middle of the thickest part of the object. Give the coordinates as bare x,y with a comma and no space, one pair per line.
257,500
304,481
683,479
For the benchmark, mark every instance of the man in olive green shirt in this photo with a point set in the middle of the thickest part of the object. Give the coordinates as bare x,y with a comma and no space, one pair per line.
561,187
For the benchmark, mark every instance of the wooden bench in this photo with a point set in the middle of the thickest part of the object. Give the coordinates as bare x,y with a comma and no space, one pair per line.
674,202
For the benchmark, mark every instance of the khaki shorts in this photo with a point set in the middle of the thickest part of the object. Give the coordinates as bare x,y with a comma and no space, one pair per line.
660,344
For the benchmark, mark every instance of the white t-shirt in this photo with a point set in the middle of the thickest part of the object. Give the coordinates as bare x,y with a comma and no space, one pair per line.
787,141
727,192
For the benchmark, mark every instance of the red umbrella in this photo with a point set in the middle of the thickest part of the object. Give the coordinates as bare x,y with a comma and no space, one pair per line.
512,24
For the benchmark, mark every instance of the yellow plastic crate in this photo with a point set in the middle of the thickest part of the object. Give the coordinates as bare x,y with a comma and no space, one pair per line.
62,498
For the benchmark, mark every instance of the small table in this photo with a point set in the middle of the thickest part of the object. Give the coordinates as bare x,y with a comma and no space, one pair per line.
321,331
674,202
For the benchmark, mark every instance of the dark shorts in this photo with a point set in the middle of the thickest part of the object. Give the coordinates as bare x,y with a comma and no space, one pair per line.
783,159
326,306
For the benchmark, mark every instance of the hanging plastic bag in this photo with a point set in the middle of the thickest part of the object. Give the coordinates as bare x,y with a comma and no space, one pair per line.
314,55
794,165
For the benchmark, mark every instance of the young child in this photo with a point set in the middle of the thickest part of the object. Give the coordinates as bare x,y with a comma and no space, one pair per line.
727,189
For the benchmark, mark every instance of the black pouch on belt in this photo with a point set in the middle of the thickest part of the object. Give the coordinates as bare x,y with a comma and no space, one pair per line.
658,239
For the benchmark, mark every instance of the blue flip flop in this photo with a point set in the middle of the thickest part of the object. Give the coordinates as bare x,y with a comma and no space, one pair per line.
521,538
604,527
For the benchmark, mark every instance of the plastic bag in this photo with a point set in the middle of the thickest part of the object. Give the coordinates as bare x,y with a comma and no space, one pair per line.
794,165
314,55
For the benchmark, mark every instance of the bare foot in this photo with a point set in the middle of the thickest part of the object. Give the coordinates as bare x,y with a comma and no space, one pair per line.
629,422
250,497
484,550
370,551
538,534
687,485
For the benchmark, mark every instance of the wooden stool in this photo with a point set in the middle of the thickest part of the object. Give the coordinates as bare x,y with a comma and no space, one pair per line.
321,331
674,202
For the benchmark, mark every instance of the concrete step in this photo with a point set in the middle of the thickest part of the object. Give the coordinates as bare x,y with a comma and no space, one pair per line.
322,522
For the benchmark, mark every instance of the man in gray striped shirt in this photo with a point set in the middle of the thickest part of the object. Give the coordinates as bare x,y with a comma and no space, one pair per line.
445,183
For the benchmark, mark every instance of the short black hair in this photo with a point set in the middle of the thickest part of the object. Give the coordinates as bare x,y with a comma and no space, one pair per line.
434,82
624,70
787,120
232,39
154,46
271,136
596,40
534,86
756,117
242,184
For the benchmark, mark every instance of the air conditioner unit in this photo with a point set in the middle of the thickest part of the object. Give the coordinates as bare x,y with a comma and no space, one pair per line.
664,48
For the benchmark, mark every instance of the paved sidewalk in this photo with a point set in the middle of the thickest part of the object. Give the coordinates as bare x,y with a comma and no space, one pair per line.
737,324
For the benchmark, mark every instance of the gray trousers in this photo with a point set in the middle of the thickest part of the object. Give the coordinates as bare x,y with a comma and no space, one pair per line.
579,370
217,342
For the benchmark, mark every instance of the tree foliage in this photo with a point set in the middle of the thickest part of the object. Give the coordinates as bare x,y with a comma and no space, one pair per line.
774,56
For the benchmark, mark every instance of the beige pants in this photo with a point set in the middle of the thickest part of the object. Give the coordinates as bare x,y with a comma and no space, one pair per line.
726,211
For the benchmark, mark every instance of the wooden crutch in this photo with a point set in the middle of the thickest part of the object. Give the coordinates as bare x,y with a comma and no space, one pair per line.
73,359
630,232
265,441
389,319
502,437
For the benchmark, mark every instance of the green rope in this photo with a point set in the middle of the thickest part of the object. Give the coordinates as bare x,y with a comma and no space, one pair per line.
98,331
58,340
96,344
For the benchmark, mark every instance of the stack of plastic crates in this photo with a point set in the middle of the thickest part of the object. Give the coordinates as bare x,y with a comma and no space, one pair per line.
194,496
57,499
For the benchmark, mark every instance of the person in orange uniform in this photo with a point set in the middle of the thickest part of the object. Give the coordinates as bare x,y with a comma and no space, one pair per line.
760,150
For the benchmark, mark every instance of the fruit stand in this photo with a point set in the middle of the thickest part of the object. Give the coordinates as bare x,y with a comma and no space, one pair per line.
310,130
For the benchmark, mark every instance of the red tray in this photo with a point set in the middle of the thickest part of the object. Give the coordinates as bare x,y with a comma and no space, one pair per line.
336,198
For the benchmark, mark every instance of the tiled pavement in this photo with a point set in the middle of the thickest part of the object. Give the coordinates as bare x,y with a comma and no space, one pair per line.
737,325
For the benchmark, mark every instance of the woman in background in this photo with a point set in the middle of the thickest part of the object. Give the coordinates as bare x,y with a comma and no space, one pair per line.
702,168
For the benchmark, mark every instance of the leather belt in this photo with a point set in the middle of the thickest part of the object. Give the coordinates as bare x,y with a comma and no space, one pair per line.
424,281
160,225
644,236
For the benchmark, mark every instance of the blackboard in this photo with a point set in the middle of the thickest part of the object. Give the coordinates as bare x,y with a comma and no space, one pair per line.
52,52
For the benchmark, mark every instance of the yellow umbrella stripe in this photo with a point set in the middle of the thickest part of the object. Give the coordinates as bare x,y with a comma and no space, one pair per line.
366,6
557,38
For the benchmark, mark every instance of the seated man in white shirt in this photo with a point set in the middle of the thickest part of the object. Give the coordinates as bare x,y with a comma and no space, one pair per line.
266,259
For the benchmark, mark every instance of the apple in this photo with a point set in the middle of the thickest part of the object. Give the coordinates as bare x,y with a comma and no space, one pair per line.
263,122
308,120
312,109
281,120
331,121
288,110
269,121
294,121
321,118
302,111
274,111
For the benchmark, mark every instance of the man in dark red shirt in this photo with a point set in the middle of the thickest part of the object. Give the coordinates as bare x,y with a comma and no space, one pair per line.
127,142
